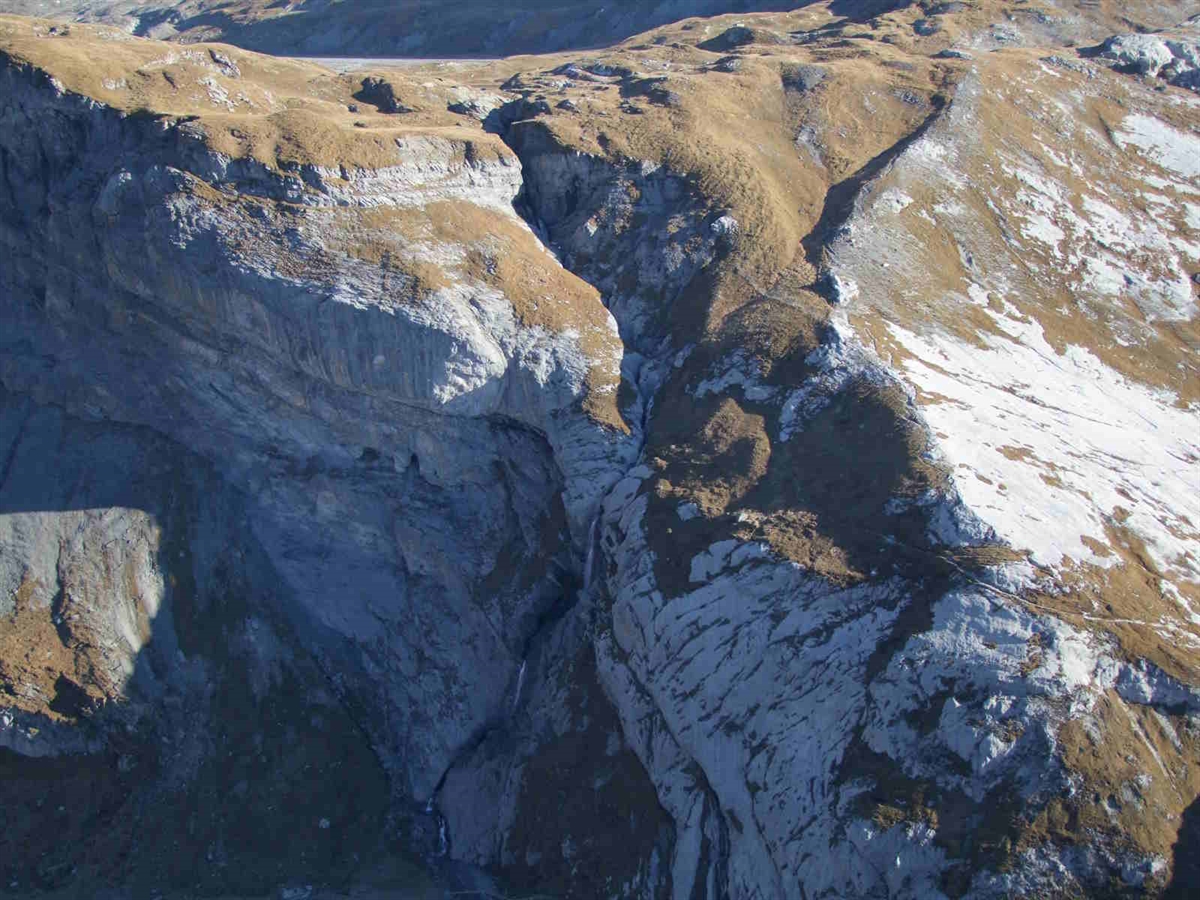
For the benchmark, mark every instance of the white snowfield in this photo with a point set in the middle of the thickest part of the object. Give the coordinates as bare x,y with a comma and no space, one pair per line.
1050,446
1051,449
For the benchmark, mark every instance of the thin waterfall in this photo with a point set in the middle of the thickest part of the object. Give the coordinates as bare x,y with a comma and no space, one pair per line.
520,683
591,556
588,566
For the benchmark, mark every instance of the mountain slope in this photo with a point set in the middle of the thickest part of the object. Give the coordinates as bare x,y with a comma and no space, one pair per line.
757,460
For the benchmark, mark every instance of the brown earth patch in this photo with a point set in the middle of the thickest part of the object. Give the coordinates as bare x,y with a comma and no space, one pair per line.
587,814
1139,777
46,668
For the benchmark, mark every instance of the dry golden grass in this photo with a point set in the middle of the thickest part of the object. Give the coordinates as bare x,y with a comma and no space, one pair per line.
732,134
1012,123
36,656
1128,602
287,114
1138,776
281,112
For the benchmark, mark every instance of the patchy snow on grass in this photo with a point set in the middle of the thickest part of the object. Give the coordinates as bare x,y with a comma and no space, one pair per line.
1145,264
1050,449
1037,202
1111,252
1161,143
739,372
1193,215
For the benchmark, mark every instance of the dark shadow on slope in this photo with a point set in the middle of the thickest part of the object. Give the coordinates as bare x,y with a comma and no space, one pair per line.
1185,878
149,20
578,785
226,766
862,10
437,30
247,821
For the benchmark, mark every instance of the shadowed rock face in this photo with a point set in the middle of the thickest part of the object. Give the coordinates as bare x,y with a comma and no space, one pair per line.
181,719
339,490
434,29
428,28
752,462
413,521
1187,864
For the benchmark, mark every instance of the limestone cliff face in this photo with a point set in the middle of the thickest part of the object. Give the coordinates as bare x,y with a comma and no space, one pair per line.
762,473
160,708
806,730
425,446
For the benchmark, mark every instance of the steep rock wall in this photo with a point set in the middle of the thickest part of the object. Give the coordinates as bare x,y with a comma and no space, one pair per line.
787,658
422,447
818,734
159,708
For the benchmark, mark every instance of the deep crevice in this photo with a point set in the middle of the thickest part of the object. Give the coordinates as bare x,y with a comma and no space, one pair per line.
11,457
594,552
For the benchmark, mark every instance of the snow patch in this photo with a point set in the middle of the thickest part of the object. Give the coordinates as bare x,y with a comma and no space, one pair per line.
1055,446
894,201
1161,143
741,372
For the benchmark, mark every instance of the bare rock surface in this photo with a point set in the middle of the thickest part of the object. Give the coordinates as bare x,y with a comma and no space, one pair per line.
1172,55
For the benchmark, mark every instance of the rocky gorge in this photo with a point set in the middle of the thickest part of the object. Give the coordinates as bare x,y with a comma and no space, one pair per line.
755,460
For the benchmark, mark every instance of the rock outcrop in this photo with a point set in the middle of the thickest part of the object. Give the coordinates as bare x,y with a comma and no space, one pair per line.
1174,58
375,409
